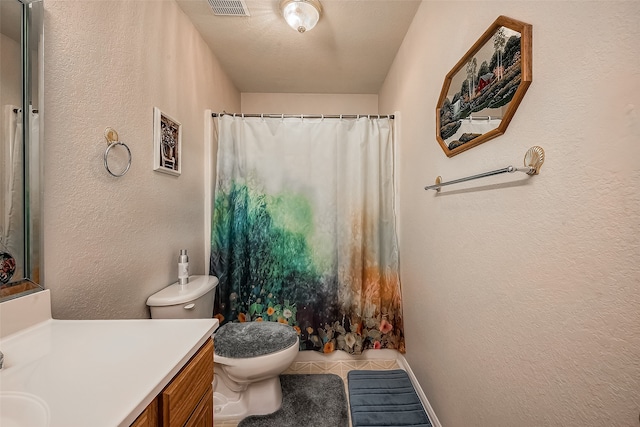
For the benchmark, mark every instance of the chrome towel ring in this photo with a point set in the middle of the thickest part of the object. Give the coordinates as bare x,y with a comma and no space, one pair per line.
112,140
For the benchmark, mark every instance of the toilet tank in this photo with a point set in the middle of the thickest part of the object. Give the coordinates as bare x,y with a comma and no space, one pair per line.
191,301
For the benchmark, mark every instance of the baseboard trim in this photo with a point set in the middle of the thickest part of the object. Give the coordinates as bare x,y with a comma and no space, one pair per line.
402,362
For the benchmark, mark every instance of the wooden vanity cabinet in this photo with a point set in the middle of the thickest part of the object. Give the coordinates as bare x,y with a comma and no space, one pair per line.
187,401
183,394
203,414
149,418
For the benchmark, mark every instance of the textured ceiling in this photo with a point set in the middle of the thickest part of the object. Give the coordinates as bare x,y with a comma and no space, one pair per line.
349,51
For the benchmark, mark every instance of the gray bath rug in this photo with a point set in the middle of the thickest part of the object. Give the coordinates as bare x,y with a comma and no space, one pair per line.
385,398
314,400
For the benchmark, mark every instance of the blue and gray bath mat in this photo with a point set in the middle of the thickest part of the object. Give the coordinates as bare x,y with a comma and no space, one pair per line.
384,398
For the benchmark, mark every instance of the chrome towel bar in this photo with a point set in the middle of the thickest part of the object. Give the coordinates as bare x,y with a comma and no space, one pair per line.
533,160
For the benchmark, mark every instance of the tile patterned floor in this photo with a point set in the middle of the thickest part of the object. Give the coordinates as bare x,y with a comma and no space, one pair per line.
340,368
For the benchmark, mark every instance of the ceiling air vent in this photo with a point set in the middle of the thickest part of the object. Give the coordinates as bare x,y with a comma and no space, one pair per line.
229,7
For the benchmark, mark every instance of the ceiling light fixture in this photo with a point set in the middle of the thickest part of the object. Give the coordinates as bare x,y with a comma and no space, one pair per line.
301,15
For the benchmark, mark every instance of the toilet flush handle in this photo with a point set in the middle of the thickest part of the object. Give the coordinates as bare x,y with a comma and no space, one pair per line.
189,306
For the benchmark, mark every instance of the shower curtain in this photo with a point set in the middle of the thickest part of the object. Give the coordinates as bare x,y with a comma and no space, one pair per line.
11,225
303,230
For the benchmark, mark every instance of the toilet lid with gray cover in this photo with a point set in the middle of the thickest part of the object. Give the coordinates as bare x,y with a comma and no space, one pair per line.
251,339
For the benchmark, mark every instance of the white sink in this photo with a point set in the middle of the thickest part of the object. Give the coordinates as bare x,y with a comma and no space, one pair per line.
86,373
23,409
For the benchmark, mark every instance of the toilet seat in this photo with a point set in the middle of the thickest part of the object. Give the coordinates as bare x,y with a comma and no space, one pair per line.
248,359
253,339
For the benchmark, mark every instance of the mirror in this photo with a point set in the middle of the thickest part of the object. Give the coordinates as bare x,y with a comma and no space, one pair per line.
481,93
20,71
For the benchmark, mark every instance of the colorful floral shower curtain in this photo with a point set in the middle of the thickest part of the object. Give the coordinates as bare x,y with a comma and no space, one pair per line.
304,230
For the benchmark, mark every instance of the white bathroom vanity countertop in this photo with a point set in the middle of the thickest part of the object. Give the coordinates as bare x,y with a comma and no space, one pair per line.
94,372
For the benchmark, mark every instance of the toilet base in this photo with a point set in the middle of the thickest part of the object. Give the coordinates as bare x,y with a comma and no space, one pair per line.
259,398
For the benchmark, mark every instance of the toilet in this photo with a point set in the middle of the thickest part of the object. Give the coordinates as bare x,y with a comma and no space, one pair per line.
248,357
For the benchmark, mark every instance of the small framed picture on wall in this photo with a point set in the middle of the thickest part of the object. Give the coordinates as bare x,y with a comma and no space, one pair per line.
167,143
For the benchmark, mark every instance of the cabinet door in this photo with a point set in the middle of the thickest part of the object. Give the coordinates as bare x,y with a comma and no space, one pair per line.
203,415
149,418
181,396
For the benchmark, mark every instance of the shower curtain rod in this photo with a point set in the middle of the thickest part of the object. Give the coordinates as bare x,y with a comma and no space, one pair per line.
483,118
307,116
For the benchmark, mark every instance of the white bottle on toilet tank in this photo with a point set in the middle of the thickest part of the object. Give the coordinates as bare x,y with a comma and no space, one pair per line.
183,267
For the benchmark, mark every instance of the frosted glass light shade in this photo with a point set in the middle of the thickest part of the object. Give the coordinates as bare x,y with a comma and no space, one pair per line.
301,15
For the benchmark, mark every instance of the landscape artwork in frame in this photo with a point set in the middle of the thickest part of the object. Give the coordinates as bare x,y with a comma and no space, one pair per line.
481,94
167,143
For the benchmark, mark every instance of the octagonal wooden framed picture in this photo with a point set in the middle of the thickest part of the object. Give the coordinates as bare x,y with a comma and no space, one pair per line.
482,92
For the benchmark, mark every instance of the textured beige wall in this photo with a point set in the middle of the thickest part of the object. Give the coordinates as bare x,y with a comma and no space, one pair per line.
112,242
308,103
522,296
